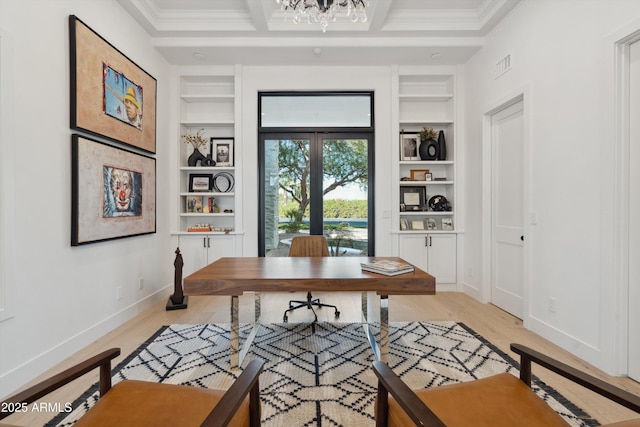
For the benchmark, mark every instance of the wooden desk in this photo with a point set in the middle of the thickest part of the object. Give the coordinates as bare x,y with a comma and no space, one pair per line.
234,276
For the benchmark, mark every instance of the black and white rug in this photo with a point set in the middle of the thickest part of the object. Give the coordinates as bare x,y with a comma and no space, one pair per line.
320,374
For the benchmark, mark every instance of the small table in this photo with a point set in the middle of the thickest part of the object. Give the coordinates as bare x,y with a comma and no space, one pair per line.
234,276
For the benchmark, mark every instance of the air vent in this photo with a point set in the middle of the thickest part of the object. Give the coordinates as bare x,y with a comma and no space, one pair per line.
503,66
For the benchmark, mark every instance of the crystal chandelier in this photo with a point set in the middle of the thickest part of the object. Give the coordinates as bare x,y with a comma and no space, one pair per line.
324,11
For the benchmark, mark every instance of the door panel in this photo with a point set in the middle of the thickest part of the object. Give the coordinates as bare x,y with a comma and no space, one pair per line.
345,194
507,138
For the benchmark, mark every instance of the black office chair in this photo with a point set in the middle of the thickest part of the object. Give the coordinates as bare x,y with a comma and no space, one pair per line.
311,246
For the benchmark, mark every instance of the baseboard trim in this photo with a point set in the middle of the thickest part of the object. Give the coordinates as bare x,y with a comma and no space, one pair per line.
23,374
575,346
472,291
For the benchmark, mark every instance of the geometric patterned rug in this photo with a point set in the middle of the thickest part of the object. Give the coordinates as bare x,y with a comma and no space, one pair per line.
320,374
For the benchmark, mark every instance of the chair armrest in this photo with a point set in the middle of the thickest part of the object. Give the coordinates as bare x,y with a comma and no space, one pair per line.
247,383
528,355
31,394
389,382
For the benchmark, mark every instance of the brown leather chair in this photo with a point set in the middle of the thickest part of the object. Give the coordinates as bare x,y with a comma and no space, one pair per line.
308,246
498,401
142,403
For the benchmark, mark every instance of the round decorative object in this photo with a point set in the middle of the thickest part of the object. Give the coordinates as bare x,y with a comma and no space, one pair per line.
439,204
196,157
428,149
223,182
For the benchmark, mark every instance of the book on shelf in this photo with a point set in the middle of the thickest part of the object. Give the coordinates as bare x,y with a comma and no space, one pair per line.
387,267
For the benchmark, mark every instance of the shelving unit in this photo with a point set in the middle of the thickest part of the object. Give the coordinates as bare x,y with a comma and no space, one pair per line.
207,103
225,201
427,238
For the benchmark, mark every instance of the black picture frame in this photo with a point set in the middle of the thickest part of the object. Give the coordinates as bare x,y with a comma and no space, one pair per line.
113,192
410,195
197,182
104,84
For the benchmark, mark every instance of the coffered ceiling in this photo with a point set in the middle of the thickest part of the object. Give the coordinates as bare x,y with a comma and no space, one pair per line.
258,32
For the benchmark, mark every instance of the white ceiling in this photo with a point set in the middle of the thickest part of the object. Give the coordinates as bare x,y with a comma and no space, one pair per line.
256,32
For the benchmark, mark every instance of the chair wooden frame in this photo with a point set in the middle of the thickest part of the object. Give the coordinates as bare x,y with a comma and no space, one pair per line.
220,416
422,415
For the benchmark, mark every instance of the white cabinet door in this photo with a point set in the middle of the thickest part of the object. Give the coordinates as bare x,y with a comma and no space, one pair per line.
221,246
413,249
201,250
433,253
194,253
442,257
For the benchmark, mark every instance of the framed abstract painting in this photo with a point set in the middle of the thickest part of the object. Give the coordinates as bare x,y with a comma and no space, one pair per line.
111,96
113,192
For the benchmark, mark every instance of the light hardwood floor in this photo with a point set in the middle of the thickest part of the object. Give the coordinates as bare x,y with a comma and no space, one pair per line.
495,325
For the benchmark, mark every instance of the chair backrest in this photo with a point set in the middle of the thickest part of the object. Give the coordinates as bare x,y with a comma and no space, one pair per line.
314,246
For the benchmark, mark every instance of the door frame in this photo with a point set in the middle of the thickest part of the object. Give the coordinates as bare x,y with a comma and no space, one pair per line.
614,301
315,136
523,94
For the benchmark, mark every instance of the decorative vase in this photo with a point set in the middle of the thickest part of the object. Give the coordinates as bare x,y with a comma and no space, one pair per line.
196,157
208,161
442,148
428,149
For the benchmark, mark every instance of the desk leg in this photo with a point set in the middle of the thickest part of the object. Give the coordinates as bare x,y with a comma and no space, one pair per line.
234,341
384,328
381,349
365,307
258,308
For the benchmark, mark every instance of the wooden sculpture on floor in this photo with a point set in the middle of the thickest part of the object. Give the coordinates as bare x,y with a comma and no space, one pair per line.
178,300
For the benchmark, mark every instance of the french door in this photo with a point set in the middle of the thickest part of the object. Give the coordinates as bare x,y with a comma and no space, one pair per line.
317,183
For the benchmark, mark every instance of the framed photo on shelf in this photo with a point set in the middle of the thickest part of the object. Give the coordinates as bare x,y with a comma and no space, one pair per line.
111,96
447,224
417,224
194,204
200,182
409,146
431,224
222,151
113,192
404,224
413,198
420,175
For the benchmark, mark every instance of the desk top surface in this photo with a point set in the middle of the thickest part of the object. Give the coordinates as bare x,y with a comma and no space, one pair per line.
234,276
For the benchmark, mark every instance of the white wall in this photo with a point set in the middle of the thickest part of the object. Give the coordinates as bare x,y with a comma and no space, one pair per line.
560,51
63,298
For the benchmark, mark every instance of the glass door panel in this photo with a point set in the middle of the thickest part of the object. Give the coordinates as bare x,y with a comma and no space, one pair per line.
319,184
345,194
286,191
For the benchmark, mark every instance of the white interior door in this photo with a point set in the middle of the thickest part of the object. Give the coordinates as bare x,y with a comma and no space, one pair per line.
507,231
634,213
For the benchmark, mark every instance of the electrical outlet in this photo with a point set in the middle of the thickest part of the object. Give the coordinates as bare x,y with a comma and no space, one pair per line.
119,293
140,283
552,305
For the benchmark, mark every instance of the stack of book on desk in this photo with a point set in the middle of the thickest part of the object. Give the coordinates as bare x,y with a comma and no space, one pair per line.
389,268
